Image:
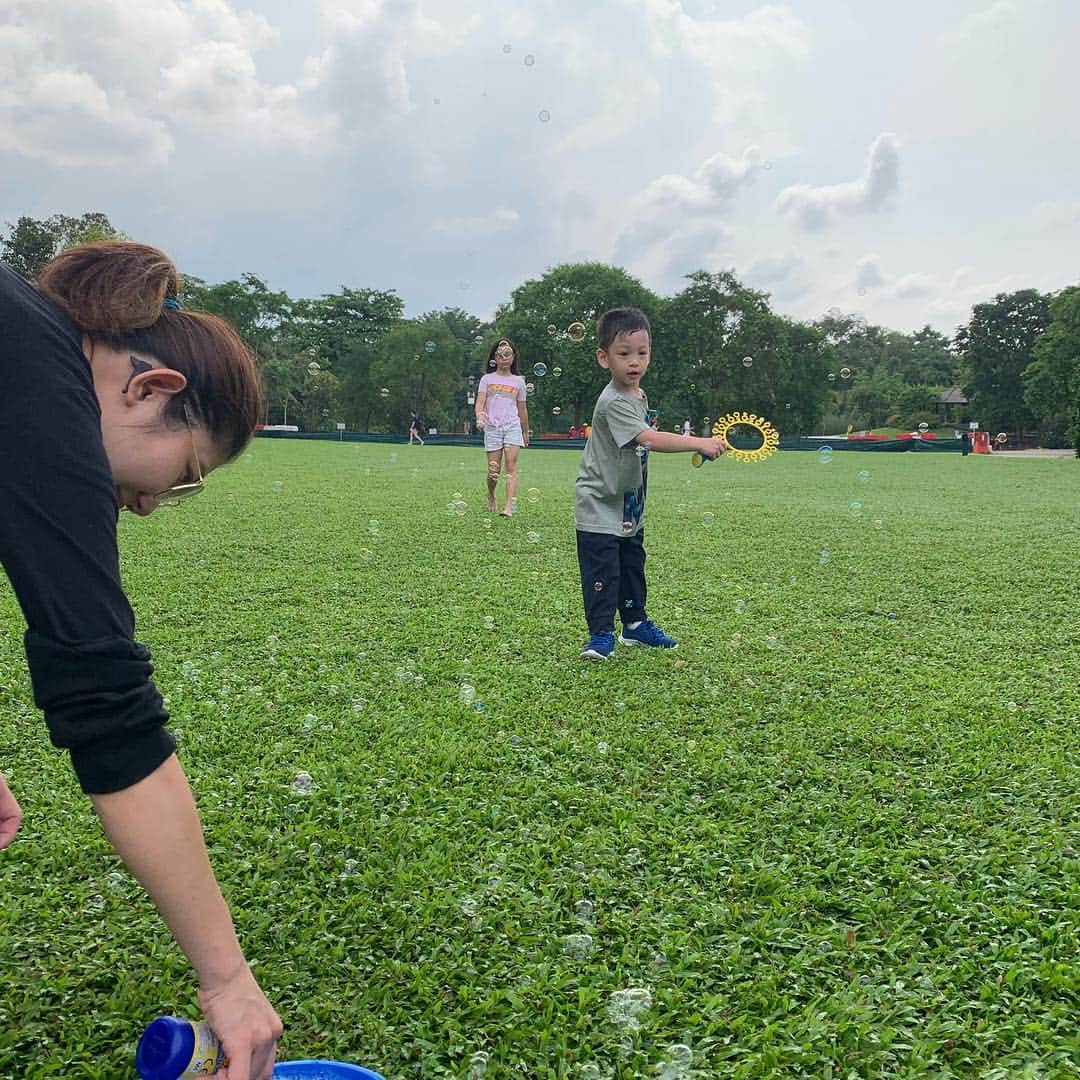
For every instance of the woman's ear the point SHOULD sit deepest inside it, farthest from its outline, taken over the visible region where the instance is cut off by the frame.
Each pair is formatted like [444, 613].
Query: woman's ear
[154, 380]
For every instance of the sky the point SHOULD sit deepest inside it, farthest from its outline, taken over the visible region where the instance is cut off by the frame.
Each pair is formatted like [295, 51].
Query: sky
[899, 161]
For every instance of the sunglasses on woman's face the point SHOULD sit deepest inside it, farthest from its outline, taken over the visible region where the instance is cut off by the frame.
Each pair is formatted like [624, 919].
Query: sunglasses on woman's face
[178, 492]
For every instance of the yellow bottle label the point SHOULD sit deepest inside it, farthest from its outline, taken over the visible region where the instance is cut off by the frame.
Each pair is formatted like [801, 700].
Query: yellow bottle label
[206, 1056]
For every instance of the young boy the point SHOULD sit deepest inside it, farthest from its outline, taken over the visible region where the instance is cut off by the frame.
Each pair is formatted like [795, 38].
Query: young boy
[609, 502]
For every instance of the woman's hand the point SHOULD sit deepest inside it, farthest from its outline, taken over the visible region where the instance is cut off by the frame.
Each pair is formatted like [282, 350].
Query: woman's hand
[245, 1022]
[10, 814]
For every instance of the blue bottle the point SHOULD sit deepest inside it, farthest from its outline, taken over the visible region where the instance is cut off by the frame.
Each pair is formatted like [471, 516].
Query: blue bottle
[171, 1048]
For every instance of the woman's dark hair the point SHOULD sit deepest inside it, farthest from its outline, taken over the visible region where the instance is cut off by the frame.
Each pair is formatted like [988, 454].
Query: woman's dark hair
[115, 292]
[620, 320]
[494, 349]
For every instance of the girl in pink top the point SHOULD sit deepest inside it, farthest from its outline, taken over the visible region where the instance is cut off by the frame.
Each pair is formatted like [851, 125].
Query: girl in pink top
[501, 413]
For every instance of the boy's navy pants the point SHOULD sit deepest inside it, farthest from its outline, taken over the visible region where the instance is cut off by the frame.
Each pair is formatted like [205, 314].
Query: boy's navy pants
[612, 578]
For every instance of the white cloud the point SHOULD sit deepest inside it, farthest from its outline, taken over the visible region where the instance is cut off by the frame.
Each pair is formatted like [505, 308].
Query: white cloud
[868, 273]
[685, 214]
[814, 208]
[912, 285]
[498, 220]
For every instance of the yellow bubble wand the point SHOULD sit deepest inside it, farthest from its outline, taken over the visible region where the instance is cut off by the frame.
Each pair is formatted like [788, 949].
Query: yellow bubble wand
[770, 438]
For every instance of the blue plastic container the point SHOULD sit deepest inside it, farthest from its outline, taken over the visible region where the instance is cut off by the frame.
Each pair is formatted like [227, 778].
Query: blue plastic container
[171, 1048]
[322, 1070]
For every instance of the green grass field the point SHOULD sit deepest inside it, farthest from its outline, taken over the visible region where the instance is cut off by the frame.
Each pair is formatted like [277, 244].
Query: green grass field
[835, 834]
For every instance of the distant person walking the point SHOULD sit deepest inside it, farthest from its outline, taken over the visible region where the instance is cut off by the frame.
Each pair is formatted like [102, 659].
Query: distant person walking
[686, 426]
[965, 443]
[414, 429]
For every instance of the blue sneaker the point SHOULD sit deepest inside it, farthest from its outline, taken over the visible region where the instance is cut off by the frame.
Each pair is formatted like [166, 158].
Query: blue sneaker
[599, 647]
[647, 633]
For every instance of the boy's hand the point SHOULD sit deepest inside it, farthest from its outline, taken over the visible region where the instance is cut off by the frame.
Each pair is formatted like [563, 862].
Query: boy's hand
[710, 448]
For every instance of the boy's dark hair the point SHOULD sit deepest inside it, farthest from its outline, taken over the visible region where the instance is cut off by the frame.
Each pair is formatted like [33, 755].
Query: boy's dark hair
[620, 320]
[491, 357]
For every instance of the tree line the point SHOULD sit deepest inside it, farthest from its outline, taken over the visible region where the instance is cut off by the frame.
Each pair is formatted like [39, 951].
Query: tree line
[352, 357]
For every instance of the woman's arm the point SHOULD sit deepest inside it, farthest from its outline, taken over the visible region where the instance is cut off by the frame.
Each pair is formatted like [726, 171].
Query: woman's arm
[481, 399]
[154, 827]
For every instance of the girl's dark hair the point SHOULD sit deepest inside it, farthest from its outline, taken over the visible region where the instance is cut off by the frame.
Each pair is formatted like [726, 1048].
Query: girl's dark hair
[620, 320]
[491, 357]
[115, 292]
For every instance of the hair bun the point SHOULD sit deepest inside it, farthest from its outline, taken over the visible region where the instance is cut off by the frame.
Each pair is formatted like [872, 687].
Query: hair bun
[111, 285]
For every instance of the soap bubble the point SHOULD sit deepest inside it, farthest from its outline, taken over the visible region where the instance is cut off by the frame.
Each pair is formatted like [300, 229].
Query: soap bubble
[583, 911]
[824, 557]
[845, 373]
[429, 346]
[532, 537]
[556, 411]
[314, 367]
[315, 850]
[855, 509]
[556, 372]
[577, 945]
[507, 48]
[824, 454]
[384, 392]
[740, 606]
[489, 622]
[747, 361]
[530, 389]
[530, 60]
[707, 520]
[831, 376]
[626, 1007]
[468, 906]
[677, 1065]
[1001, 438]
[533, 495]
[552, 329]
[275, 487]
[924, 427]
[478, 1064]
[576, 331]
[598, 586]
[544, 116]
[303, 783]
[540, 369]
[467, 693]
[863, 476]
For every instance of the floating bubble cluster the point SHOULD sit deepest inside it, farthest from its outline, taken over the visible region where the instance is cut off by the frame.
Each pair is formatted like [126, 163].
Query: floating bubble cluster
[577, 946]
[626, 1007]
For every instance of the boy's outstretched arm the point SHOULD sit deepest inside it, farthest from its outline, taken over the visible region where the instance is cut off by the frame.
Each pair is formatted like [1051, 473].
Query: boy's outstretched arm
[667, 442]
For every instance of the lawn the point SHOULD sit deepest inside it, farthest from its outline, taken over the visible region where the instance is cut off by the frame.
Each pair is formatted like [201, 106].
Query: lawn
[835, 834]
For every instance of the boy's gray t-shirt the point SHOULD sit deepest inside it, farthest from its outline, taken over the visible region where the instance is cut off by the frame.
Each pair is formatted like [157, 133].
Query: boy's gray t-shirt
[611, 482]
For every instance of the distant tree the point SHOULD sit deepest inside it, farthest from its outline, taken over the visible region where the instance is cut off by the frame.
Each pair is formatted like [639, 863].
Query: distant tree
[995, 347]
[1052, 379]
[538, 319]
[31, 242]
